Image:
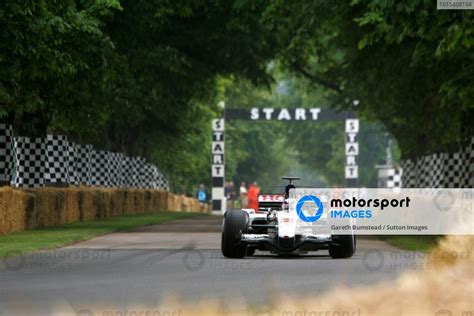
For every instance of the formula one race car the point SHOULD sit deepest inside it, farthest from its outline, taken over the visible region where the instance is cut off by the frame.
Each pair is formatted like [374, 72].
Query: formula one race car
[273, 228]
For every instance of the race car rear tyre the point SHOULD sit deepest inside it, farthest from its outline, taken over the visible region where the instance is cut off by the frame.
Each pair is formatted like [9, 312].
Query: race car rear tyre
[343, 246]
[250, 251]
[235, 223]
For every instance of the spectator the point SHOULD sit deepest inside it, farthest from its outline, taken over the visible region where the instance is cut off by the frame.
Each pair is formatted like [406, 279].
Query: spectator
[244, 199]
[229, 194]
[202, 196]
[254, 191]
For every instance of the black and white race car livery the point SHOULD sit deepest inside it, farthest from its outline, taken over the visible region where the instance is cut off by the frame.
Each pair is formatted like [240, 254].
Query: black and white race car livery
[273, 228]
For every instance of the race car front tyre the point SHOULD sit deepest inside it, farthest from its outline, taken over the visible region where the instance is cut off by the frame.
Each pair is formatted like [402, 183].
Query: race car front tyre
[235, 223]
[343, 246]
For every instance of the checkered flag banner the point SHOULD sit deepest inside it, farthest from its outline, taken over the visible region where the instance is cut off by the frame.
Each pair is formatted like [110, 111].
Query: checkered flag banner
[163, 182]
[394, 178]
[82, 164]
[133, 172]
[390, 178]
[6, 153]
[150, 176]
[72, 167]
[153, 179]
[115, 166]
[35, 162]
[100, 169]
[29, 157]
[441, 170]
[57, 160]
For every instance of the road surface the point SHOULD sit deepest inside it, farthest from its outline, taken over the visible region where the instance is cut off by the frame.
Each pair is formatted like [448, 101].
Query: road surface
[180, 259]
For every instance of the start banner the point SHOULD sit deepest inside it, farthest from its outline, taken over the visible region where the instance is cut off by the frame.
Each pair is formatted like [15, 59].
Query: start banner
[362, 211]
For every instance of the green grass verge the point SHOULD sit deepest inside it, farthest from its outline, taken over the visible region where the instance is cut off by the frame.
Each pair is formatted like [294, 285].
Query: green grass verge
[418, 243]
[53, 237]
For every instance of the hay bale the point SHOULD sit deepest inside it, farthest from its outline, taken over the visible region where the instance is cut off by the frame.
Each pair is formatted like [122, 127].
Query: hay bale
[148, 201]
[197, 206]
[48, 206]
[154, 201]
[71, 212]
[87, 206]
[44, 207]
[178, 203]
[5, 210]
[108, 197]
[162, 200]
[188, 204]
[173, 203]
[117, 202]
[182, 203]
[128, 203]
[13, 206]
[169, 203]
[103, 203]
[139, 205]
[23, 204]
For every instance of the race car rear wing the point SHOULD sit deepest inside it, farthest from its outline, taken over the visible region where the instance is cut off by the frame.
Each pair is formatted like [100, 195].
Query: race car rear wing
[268, 202]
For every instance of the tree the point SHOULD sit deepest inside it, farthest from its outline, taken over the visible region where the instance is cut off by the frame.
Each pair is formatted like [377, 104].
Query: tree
[408, 65]
[44, 47]
[136, 76]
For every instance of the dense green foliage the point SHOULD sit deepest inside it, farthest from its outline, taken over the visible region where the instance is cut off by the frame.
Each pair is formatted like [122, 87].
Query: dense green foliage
[409, 65]
[134, 76]
[145, 76]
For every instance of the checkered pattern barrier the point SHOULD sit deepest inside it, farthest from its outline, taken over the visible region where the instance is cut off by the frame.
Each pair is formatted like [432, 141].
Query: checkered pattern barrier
[390, 178]
[82, 164]
[153, 179]
[57, 160]
[30, 160]
[115, 168]
[6, 153]
[394, 179]
[163, 182]
[133, 168]
[35, 162]
[441, 170]
[71, 163]
[100, 173]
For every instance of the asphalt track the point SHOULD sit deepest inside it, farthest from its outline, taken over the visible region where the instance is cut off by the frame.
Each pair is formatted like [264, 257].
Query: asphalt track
[180, 259]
